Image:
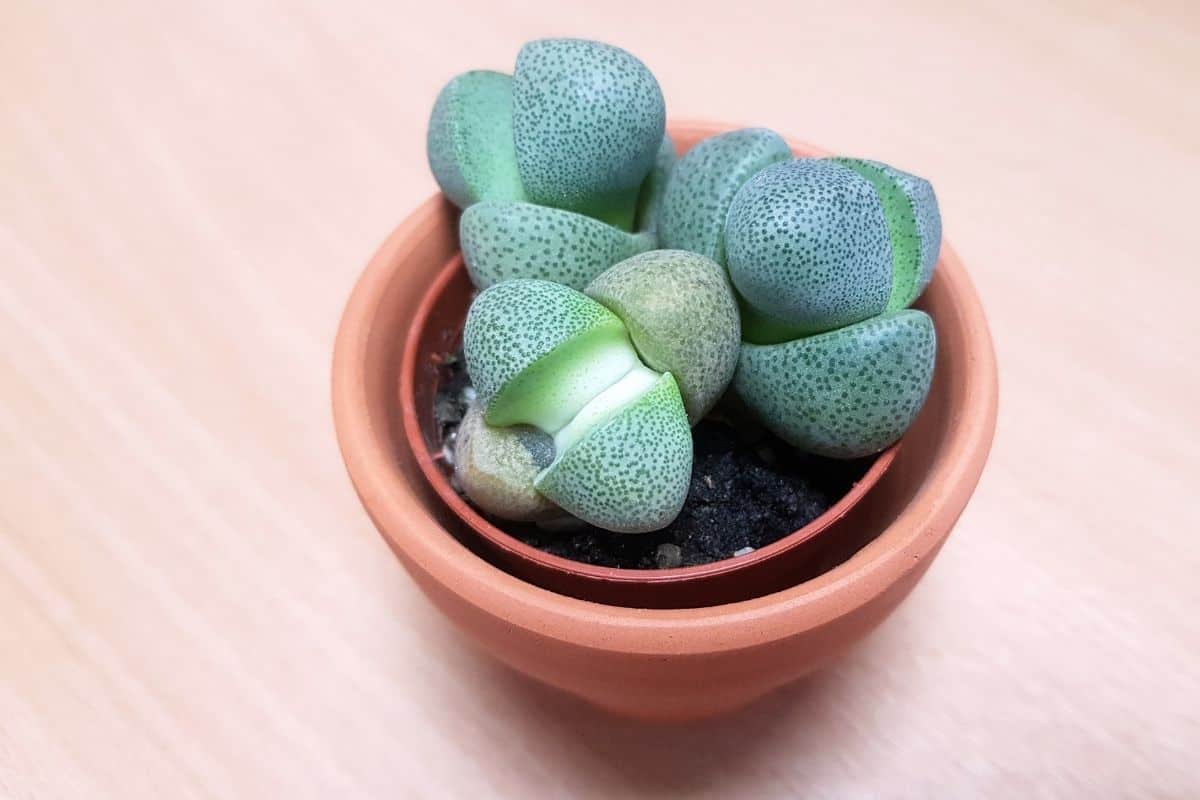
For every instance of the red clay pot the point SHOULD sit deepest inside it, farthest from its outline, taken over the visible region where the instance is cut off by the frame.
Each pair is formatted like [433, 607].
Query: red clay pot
[437, 329]
[658, 663]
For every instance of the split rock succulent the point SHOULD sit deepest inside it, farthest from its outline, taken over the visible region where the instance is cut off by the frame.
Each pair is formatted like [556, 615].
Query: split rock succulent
[585, 398]
[542, 354]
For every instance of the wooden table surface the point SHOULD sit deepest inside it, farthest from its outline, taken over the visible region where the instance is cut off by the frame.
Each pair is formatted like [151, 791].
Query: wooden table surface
[192, 603]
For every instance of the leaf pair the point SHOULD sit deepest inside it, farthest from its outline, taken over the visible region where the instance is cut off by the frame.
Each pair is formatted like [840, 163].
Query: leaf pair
[614, 376]
[555, 165]
[824, 254]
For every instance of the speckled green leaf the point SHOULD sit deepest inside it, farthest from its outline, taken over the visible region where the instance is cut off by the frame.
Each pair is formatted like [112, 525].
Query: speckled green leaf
[629, 474]
[654, 186]
[588, 119]
[682, 317]
[914, 225]
[497, 466]
[846, 393]
[704, 183]
[928, 218]
[502, 241]
[808, 249]
[537, 351]
[470, 139]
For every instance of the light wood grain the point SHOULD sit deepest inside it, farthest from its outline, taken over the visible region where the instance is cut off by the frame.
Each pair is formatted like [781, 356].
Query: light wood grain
[193, 603]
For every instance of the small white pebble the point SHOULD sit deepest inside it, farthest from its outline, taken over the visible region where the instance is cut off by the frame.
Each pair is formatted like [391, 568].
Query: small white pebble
[668, 556]
[468, 394]
[448, 454]
[745, 551]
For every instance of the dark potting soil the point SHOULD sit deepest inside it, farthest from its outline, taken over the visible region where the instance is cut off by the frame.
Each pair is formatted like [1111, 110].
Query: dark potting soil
[748, 489]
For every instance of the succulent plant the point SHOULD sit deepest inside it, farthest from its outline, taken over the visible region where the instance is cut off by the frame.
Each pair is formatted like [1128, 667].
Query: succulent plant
[704, 182]
[470, 139]
[682, 317]
[588, 121]
[654, 186]
[825, 254]
[846, 393]
[497, 466]
[542, 354]
[591, 352]
[505, 240]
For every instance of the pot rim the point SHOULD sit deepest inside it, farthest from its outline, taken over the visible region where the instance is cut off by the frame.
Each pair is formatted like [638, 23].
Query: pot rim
[402, 518]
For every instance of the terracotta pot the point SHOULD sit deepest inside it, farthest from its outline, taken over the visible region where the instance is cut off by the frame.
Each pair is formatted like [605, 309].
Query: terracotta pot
[437, 329]
[658, 663]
